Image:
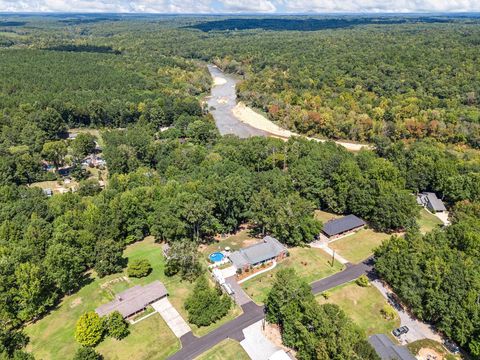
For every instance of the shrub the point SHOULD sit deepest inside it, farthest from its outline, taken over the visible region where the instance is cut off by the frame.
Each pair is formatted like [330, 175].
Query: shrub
[87, 353]
[139, 268]
[388, 312]
[362, 281]
[116, 326]
[89, 329]
[205, 305]
[326, 294]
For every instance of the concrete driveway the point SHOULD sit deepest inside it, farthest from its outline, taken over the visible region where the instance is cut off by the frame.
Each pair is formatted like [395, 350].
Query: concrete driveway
[257, 346]
[240, 296]
[171, 316]
[418, 330]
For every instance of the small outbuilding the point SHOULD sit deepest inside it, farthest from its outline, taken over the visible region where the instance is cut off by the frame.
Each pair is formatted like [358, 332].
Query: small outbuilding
[134, 300]
[430, 201]
[339, 227]
[387, 350]
[268, 249]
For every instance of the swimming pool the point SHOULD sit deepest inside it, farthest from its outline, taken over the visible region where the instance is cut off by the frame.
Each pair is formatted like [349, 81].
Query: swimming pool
[216, 257]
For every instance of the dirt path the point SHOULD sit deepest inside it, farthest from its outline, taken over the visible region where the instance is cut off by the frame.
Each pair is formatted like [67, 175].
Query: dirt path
[248, 116]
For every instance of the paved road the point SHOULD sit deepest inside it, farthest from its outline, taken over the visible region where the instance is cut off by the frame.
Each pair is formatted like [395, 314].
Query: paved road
[349, 274]
[193, 346]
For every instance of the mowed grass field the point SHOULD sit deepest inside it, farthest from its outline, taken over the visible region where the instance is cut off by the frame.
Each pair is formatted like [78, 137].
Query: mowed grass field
[53, 336]
[363, 305]
[427, 221]
[226, 350]
[310, 263]
[358, 246]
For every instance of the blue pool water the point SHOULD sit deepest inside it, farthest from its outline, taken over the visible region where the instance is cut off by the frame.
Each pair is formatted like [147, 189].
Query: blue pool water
[216, 257]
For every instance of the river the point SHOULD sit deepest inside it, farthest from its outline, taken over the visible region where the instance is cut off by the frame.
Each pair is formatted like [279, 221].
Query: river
[235, 118]
[221, 103]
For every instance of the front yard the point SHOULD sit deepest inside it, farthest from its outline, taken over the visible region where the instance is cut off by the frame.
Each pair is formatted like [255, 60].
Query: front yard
[358, 246]
[427, 221]
[363, 305]
[310, 263]
[53, 336]
[226, 350]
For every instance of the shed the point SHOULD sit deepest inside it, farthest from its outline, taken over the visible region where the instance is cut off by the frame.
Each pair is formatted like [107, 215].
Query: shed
[343, 225]
[387, 350]
[134, 300]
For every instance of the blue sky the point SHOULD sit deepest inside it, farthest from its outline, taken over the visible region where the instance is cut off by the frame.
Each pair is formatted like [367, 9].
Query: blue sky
[240, 6]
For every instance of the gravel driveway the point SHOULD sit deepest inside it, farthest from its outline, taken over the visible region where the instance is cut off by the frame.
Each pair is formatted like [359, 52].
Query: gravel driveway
[418, 330]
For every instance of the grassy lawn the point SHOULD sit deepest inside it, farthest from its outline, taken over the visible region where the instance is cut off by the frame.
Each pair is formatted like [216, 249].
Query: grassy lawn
[310, 263]
[149, 339]
[428, 221]
[363, 305]
[226, 350]
[324, 216]
[53, 336]
[358, 246]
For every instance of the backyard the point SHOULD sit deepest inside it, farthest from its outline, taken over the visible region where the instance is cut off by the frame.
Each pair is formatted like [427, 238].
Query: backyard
[310, 263]
[363, 305]
[226, 350]
[53, 336]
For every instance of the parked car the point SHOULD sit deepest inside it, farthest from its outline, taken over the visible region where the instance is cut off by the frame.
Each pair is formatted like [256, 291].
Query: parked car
[451, 346]
[400, 331]
[392, 299]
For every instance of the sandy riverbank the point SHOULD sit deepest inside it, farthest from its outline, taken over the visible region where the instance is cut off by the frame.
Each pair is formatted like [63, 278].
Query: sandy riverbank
[219, 81]
[258, 121]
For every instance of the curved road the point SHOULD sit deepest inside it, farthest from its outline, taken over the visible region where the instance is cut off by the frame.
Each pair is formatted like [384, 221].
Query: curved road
[193, 346]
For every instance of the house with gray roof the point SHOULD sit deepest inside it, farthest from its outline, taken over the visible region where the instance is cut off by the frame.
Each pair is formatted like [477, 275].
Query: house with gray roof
[430, 201]
[266, 250]
[342, 226]
[134, 300]
[387, 350]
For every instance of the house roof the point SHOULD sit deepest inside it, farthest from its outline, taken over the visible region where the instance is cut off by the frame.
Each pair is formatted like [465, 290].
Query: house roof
[387, 350]
[435, 202]
[346, 223]
[264, 250]
[134, 299]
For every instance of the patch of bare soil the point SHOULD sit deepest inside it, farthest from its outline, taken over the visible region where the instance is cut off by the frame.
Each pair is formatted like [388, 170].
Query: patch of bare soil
[272, 333]
[76, 302]
[429, 354]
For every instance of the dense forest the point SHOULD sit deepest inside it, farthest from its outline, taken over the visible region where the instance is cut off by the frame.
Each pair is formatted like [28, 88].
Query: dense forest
[411, 89]
[438, 274]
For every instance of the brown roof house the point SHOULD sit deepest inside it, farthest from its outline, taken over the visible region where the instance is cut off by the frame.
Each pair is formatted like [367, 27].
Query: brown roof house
[266, 250]
[134, 300]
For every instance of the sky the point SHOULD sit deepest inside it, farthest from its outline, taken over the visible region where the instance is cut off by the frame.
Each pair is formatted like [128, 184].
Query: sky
[240, 6]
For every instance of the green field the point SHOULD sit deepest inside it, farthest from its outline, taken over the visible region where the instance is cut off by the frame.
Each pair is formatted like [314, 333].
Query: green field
[363, 305]
[53, 336]
[428, 221]
[360, 245]
[226, 350]
[310, 263]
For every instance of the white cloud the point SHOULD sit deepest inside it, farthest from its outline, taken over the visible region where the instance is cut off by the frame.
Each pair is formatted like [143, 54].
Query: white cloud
[121, 6]
[263, 6]
[375, 6]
